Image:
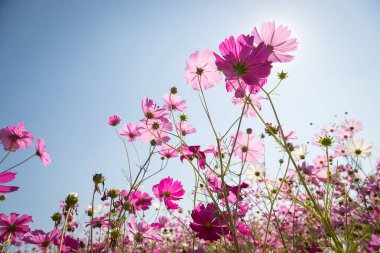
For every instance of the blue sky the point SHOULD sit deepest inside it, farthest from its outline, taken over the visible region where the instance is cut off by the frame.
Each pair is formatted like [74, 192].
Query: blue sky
[65, 66]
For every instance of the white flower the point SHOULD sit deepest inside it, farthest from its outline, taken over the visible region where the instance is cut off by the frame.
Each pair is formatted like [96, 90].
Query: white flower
[299, 153]
[359, 147]
[255, 172]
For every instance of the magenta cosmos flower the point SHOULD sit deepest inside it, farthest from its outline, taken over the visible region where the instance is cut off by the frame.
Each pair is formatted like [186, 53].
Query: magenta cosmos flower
[169, 191]
[248, 149]
[201, 71]
[114, 120]
[6, 177]
[208, 223]
[14, 226]
[191, 152]
[141, 200]
[42, 153]
[276, 40]
[241, 62]
[41, 239]
[14, 137]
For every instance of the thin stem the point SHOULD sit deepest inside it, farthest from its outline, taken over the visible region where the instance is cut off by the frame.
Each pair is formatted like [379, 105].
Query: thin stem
[27, 159]
[64, 230]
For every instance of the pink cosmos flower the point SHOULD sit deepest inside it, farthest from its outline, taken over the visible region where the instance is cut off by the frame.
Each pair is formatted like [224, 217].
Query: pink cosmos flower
[276, 40]
[14, 137]
[156, 129]
[169, 191]
[241, 60]
[41, 239]
[374, 244]
[167, 151]
[208, 223]
[114, 120]
[247, 149]
[6, 177]
[142, 230]
[201, 71]
[251, 99]
[141, 200]
[185, 128]
[352, 125]
[174, 102]
[152, 111]
[132, 131]
[162, 221]
[14, 226]
[42, 153]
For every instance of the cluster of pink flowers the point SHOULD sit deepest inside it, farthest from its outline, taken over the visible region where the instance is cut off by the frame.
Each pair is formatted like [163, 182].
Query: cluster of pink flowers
[322, 202]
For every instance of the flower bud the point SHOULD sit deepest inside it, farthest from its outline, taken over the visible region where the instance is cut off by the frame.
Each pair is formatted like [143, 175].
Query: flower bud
[282, 75]
[72, 199]
[173, 90]
[56, 217]
[98, 178]
[113, 193]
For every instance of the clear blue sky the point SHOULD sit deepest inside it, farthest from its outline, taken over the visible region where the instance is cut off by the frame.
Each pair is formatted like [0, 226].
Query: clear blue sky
[65, 66]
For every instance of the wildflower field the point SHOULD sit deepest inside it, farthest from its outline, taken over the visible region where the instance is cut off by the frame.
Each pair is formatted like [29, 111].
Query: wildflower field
[255, 187]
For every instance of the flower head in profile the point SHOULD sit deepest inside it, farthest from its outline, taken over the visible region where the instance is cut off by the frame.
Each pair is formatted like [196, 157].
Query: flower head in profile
[168, 191]
[14, 226]
[241, 62]
[359, 147]
[248, 149]
[208, 223]
[277, 40]
[15, 137]
[42, 153]
[201, 71]
[114, 120]
[6, 177]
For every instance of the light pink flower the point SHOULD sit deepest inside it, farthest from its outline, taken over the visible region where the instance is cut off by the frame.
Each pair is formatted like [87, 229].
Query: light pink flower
[42, 153]
[142, 230]
[352, 125]
[14, 137]
[152, 111]
[174, 102]
[185, 128]
[251, 99]
[276, 40]
[201, 71]
[169, 191]
[131, 130]
[114, 120]
[248, 149]
[167, 151]
[6, 177]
